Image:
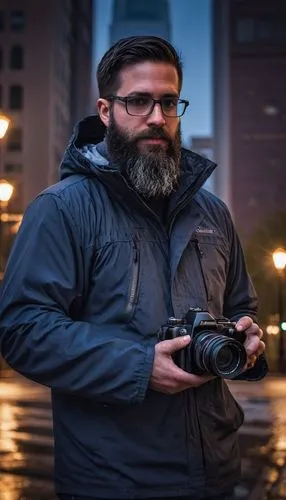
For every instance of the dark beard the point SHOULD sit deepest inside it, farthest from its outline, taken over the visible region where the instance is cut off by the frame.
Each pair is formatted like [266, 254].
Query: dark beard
[152, 174]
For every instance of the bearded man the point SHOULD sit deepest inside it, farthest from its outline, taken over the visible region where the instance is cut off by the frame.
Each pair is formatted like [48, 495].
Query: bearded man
[127, 239]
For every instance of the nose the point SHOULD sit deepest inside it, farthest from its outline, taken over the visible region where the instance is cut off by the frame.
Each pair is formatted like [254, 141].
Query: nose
[156, 117]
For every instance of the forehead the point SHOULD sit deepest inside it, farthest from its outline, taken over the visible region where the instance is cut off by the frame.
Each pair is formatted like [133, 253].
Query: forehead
[156, 78]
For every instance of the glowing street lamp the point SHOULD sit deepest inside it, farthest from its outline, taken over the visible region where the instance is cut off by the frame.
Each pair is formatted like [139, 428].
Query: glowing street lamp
[6, 191]
[4, 125]
[279, 259]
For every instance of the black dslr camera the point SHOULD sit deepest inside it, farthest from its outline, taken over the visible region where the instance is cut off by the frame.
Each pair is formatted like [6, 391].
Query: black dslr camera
[215, 348]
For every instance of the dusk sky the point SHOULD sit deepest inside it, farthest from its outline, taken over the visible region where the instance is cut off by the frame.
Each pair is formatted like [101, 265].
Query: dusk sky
[191, 35]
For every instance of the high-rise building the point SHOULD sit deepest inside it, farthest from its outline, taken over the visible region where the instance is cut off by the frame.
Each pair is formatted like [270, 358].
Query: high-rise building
[250, 108]
[45, 80]
[204, 147]
[140, 17]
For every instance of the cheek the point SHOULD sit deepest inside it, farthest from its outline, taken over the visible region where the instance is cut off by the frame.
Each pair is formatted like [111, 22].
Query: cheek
[130, 125]
[173, 129]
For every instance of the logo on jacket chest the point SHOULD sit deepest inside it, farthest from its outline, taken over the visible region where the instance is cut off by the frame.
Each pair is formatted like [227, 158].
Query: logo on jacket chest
[205, 230]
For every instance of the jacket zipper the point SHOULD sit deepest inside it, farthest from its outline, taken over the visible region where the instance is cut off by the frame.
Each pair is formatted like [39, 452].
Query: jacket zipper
[133, 291]
[200, 254]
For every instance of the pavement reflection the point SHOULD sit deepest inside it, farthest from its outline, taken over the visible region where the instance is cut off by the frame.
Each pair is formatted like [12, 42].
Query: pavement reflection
[26, 440]
[264, 456]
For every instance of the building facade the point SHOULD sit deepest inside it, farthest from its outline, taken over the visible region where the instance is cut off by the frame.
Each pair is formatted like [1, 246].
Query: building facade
[140, 17]
[203, 146]
[45, 83]
[250, 108]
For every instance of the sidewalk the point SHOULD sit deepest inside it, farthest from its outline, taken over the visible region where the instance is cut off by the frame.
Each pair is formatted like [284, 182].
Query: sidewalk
[264, 404]
[262, 438]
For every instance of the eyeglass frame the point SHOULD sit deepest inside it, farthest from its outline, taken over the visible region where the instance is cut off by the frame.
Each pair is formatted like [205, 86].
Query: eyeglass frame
[155, 101]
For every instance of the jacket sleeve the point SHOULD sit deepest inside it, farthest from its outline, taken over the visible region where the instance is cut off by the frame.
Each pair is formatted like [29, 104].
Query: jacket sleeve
[38, 337]
[240, 298]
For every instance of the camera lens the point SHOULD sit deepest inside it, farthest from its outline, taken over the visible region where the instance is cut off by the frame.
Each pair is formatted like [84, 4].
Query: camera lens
[219, 355]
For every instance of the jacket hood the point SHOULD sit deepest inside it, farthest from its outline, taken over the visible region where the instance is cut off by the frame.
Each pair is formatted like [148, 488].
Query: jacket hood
[85, 155]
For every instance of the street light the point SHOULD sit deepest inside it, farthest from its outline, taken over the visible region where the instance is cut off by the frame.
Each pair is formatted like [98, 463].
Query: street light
[4, 124]
[6, 191]
[279, 259]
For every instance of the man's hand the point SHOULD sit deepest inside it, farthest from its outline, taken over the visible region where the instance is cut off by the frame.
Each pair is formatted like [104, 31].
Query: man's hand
[167, 377]
[253, 344]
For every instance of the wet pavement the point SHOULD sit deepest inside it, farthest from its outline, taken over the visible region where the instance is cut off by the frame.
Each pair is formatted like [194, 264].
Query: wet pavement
[263, 438]
[26, 442]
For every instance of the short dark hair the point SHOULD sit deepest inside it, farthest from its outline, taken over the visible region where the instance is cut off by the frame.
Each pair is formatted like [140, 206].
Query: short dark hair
[133, 50]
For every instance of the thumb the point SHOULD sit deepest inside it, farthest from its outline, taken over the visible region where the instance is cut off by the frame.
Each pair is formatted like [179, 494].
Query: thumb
[173, 345]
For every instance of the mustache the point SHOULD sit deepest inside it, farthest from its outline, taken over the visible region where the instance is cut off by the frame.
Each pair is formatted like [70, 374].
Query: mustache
[155, 133]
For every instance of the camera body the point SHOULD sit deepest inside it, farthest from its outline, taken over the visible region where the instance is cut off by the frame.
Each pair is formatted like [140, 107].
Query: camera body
[215, 348]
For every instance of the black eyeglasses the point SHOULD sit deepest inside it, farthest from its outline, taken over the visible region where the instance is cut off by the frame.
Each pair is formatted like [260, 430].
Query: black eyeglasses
[173, 107]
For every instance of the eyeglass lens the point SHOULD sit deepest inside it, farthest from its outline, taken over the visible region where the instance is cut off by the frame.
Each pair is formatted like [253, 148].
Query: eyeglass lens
[142, 106]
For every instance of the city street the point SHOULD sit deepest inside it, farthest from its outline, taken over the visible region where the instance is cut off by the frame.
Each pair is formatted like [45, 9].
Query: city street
[26, 444]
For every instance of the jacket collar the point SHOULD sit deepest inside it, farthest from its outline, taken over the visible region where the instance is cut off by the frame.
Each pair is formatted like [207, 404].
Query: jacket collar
[195, 169]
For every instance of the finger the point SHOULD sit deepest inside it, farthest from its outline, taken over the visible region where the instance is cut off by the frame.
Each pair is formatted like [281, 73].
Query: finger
[254, 347]
[254, 330]
[244, 323]
[251, 362]
[173, 345]
[260, 333]
[260, 349]
[252, 344]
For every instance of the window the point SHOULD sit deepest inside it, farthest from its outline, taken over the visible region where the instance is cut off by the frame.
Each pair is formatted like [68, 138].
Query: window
[13, 168]
[261, 30]
[17, 20]
[16, 57]
[245, 30]
[16, 97]
[143, 11]
[2, 20]
[14, 139]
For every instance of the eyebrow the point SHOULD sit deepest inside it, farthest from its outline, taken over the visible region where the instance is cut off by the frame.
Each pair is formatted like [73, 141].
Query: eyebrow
[148, 94]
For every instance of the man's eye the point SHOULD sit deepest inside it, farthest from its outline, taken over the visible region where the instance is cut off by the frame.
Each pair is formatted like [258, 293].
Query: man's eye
[138, 101]
[170, 103]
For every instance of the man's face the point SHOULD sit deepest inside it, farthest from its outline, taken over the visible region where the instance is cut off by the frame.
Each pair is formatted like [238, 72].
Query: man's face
[146, 148]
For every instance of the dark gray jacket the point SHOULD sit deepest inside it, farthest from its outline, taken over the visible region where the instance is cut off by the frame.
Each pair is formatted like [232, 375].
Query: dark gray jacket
[91, 278]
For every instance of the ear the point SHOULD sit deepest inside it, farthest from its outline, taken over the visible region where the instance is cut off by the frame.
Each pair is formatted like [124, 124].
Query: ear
[103, 107]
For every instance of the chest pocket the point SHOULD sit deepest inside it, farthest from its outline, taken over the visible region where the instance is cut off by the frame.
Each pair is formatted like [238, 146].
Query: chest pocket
[212, 254]
[127, 283]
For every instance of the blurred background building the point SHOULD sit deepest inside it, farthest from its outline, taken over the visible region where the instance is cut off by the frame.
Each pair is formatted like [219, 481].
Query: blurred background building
[204, 147]
[45, 82]
[249, 53]
[139, 17]
[234, 60]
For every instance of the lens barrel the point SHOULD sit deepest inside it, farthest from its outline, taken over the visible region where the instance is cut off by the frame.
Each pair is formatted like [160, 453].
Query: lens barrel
[218, 354]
